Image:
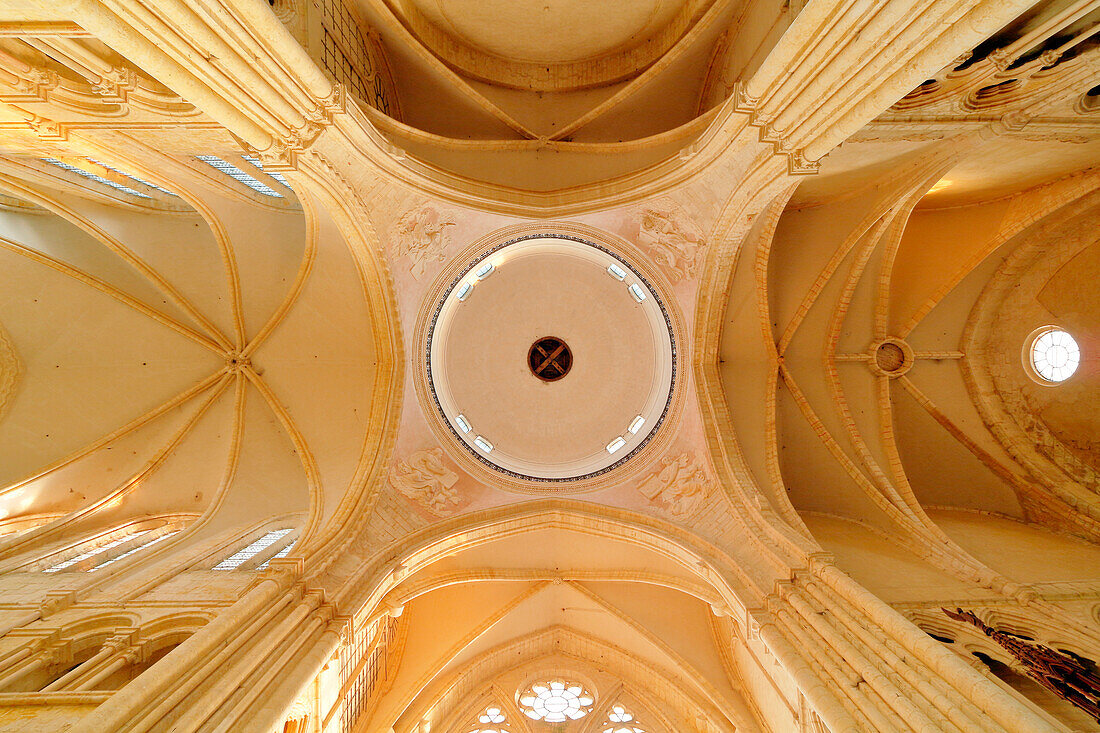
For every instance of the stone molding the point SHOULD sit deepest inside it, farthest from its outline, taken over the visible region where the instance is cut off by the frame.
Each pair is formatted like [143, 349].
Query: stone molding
[11, 369]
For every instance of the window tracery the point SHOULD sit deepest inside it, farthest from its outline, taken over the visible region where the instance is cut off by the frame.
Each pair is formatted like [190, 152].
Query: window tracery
[621, 720]
[492, 720]
[1054, 354]
[556, 701]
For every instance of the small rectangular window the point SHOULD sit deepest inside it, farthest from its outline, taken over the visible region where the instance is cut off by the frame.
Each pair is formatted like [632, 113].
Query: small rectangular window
[93, 552]
[97, 178]
[245, 554]
[132, 550]
[274, 174]
[281, 553]
[238, 175]
[131, 176]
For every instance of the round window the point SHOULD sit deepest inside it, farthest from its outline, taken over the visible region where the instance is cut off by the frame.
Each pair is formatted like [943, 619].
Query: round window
[1052, 355]
[556, 701]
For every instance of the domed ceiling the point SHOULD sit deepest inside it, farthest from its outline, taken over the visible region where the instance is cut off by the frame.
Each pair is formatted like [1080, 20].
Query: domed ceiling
[550, 358]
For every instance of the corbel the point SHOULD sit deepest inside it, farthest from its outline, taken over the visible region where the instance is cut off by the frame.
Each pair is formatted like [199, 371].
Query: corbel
[57, 651]
[743, 102]
[49, 130]
[336, 102]
[116, 84]
[1001, 58]
[279, 156]
[56, 600]
[1013, 121]
[799, 165]
[33, 85]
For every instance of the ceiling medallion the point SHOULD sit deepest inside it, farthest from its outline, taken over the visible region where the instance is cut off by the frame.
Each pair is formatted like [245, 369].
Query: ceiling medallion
[549, 358]
[891, 357]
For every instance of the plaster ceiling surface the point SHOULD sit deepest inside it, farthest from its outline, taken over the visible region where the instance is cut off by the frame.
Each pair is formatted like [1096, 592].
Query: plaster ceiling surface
[1049, 280]
[621, 358]
[996, 169]
[621, 618]
[550, 31]
[152, 345]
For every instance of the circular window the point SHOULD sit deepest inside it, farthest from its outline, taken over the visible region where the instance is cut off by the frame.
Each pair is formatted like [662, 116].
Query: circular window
[1053, 355]
[556, 701]
[550, 359]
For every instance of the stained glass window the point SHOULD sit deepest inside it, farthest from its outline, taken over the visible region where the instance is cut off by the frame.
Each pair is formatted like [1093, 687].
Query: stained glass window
[556, 701]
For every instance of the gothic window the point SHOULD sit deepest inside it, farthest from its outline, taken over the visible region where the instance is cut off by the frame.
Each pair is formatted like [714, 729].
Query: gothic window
[491, 720]
[556, 701]
[250, 551]
[131, 176]
[621, 720]
[133, 550]
[281, 553]
[277, 176]
[239, 175]
[98, 178]
[94, 551]
[1054, 355]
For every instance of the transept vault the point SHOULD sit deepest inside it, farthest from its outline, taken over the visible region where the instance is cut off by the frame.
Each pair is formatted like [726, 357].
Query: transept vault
[572, 366]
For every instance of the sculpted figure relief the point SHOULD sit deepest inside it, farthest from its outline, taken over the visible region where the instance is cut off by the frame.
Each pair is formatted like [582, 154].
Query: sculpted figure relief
[424, 478]
[672, 240]
[680, 485]
[421, 235]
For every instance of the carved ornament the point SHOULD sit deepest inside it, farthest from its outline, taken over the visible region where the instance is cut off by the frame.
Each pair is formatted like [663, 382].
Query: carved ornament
[424, 478]
[681, 485]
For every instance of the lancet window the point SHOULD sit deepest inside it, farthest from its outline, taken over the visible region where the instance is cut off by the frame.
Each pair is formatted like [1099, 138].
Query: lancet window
[251, 550]
[95, 551]
[239, 175]
[98, 178]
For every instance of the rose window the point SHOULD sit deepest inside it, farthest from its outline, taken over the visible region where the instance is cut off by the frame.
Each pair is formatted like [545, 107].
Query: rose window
[1054, 355]
[556, 701]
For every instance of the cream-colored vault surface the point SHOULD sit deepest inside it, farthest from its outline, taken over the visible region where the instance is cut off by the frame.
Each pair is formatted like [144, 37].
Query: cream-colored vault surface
[262, 264]
[622, 371]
